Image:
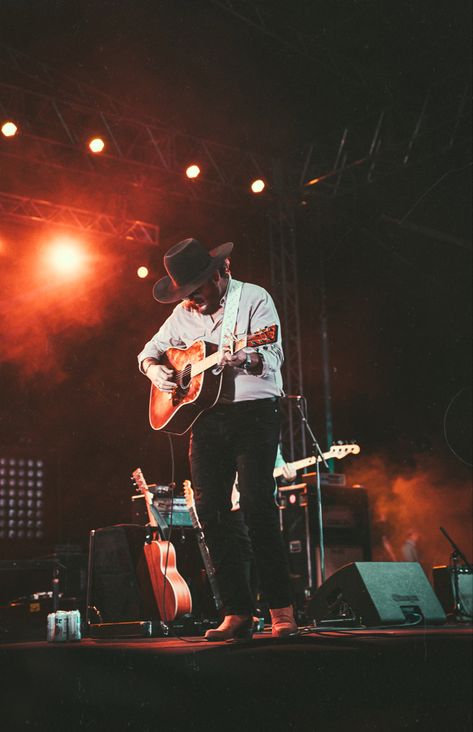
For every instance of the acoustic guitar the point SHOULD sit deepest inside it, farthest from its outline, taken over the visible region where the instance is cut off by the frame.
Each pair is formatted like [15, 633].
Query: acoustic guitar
[198, 381]
[170, 589]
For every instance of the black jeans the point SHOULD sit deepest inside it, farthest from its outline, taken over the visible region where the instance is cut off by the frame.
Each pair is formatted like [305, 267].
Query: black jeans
[241, 437]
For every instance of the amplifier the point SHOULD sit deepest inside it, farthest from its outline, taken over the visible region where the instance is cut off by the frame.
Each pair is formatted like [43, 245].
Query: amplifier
[163, 503]
[332, 479]
[345, 513]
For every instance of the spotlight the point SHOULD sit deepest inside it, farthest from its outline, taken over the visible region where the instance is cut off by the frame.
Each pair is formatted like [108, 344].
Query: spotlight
[9, 129]
[258, 186]
[96, 145]
[193, 171]
[22, 497]
[67, 257]
[142, 272]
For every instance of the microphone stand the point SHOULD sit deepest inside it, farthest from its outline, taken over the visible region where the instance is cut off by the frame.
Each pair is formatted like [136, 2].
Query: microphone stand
[316, 451]
[455, 556]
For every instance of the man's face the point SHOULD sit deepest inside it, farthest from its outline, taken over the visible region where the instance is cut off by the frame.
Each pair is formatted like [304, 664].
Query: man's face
[206, 299]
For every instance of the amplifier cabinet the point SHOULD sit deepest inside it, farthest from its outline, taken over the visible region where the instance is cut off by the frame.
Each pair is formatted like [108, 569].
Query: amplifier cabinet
[346, 525]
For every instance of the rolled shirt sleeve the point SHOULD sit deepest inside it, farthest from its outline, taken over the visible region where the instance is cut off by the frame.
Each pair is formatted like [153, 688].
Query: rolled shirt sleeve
[263, 314]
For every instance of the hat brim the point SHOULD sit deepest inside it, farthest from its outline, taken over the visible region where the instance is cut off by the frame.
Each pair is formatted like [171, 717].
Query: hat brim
[165, 291]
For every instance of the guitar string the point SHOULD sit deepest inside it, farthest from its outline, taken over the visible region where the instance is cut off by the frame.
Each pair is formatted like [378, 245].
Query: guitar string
[187, 369]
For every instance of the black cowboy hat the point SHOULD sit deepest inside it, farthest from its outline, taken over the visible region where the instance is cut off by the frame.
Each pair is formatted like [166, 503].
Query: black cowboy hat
[188, 265]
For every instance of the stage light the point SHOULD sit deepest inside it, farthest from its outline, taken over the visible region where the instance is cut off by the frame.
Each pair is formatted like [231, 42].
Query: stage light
[258, 186]
[9, 129]
[67, 257]
[142, 272]
[21, 498]
[193, 171]
[96, 145]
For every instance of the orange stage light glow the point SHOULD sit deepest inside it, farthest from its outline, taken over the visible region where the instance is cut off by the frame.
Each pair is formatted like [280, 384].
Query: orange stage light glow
[9, 129]
[66, 257]
[193, 171]
[258, 186]
[142, 272]
[96, 145]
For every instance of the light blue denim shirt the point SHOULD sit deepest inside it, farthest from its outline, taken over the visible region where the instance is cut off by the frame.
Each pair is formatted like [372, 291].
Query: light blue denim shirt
[256, 311]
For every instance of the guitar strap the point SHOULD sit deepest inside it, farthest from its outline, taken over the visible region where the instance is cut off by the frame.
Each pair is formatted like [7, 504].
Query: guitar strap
[232, 301]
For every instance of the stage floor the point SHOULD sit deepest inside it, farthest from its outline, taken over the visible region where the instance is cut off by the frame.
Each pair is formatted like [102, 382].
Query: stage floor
[398, 679]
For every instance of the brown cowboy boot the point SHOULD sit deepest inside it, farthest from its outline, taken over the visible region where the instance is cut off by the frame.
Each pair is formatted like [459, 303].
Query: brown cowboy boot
[233, 627]
[283, 622]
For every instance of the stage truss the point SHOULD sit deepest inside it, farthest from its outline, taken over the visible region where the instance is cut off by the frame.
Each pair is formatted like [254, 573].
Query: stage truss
[58, 114]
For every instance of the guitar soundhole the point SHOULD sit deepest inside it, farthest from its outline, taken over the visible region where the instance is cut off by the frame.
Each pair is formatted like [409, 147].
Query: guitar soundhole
[185, 378]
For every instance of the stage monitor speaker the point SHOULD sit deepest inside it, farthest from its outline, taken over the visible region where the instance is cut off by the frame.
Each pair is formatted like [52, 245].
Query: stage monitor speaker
[377, 593]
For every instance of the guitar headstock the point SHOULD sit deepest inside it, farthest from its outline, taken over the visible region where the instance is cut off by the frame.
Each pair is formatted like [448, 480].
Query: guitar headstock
[341, 451]
[188, 493]
[263, 337]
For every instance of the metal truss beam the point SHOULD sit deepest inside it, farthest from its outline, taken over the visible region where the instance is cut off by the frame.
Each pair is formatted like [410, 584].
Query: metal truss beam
[147, 153]
[285, 288]
[24, 69]
[21, 208]
[371, 150]
[273, 21]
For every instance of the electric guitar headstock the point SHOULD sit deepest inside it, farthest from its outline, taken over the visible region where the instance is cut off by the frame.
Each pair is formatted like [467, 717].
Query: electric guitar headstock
[340, 451]
[188, 494]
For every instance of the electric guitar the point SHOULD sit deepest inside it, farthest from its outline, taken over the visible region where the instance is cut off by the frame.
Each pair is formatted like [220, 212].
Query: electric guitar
[336, 451]
[198, 382]
[202, 544]
[171, 592]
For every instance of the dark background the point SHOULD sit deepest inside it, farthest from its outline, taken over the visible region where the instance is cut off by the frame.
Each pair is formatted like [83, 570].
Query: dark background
[398, 300]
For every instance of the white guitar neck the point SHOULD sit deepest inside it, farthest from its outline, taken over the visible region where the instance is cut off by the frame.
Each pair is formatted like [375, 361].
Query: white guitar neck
[336, 451]
[298, 465]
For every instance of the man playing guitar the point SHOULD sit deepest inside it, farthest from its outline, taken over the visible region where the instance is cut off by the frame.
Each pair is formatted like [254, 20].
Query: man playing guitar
[240, 432]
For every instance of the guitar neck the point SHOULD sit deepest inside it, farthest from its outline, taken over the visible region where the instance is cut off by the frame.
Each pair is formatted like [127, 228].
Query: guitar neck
[206, 558]
[212, 360]
[194, 518]
[336, 451]
[297, 465]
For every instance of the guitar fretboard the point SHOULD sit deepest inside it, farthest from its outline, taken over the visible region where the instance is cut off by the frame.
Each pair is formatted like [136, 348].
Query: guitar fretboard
[209, 361]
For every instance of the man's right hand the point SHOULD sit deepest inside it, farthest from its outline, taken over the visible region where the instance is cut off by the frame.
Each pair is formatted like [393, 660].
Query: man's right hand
[161, 377]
